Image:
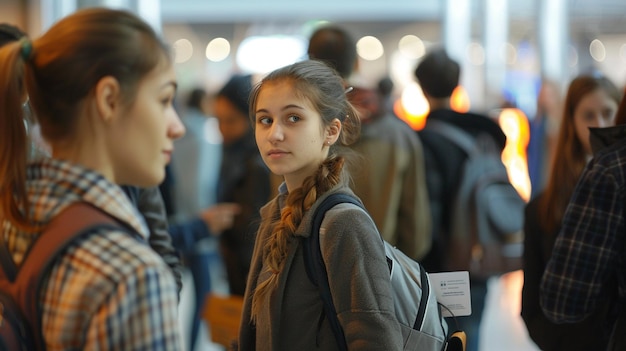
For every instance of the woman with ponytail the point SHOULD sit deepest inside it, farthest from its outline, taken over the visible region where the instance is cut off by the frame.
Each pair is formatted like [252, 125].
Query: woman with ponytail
[302, 120]
[101, 85]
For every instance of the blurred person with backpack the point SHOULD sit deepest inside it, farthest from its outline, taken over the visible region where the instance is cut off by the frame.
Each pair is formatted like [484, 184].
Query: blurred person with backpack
[95, 90]
[391, 181]
[590, 102]
[438, 75]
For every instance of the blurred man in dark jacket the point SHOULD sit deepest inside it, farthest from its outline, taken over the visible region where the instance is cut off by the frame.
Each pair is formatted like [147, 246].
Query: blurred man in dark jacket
[438, 76]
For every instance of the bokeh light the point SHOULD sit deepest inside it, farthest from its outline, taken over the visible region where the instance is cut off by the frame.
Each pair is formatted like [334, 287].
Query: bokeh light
[218, 49]
[459, 101]
[370, 48]
[411, 46]
[262, 54]
[597, 50]
[514, 124]
[476, 54]
[183, 50]
[412, 107]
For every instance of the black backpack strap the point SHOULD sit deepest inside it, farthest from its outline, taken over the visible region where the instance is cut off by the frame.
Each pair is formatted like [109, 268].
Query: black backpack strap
[421, 310]
[74, 222]
[8, 269]
[455, 135]
[314, 263]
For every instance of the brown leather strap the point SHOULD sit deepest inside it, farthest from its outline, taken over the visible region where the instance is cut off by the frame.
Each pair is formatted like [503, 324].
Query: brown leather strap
[77, 220]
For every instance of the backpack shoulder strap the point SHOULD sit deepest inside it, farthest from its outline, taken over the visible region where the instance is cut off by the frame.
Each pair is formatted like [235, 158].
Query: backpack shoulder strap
[7, 266]
[454, 134]
[74, 222]
[314, 263]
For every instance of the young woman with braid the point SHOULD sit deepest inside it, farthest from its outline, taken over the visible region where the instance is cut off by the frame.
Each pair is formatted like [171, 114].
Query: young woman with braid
[302, 118]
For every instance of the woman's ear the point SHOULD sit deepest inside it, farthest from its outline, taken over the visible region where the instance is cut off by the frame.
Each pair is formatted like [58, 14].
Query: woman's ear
[107, 98]
[332, 131]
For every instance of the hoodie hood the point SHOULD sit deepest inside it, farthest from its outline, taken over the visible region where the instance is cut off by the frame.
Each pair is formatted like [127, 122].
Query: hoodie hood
[601, 138]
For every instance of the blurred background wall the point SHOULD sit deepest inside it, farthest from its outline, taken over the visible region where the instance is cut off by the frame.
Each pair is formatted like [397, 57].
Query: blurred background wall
[506, 48]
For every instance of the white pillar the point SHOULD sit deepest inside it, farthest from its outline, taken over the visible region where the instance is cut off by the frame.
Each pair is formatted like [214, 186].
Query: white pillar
[495, 36]
[54, 10]
[553, 40]
[457, 31]
[457, 16]
[149, 10]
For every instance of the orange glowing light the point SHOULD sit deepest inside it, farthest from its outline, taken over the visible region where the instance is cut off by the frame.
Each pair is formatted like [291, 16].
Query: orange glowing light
[514, 124]
[415, 121]
[459, 101]
[413, 108]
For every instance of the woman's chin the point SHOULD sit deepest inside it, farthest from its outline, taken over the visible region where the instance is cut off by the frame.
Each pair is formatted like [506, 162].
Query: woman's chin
[147, 180]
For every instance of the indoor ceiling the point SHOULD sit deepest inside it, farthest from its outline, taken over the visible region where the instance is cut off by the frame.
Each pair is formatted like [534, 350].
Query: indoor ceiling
[594, 15]
[587, 18]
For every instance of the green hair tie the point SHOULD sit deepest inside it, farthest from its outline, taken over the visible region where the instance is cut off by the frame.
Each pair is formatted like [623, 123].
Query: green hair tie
[27, 48]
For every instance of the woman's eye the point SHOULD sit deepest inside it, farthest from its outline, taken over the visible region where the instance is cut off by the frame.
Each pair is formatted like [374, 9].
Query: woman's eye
[293, 118]
[166, 101]
[264, 120]
[590, 117]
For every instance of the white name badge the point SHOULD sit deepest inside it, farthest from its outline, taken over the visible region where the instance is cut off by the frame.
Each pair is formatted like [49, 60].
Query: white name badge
[453, 291]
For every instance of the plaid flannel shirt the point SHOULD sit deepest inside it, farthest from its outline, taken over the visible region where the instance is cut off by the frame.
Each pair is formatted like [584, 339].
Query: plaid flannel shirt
[589, 253]
[108, 291]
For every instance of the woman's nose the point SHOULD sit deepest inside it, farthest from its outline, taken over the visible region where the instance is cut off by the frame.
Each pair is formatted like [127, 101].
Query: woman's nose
[176, 128]
[276, 132]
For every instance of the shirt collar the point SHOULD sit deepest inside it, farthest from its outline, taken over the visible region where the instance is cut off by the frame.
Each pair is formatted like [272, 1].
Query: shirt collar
[54, 184]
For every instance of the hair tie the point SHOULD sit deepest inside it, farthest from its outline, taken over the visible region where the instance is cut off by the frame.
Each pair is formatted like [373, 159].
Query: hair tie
[27, 48]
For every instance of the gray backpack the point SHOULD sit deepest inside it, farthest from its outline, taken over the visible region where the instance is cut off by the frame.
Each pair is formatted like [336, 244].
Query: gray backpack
[487, 213]
[416, 307]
